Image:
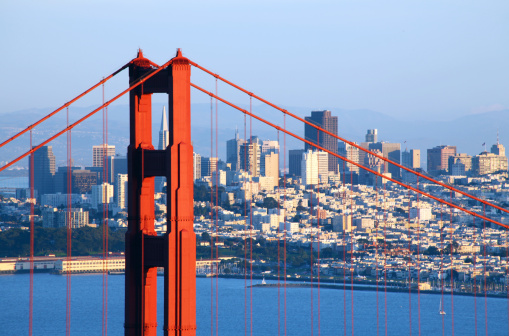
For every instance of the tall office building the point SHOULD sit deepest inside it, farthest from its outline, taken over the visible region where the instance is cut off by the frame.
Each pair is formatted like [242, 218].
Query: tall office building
[121, 191]
[372, 135]
[459, 164]
[309, 168]
[44, 171]
[208, 165]
[391, 151]
[323, 166]
[100, 152]
[294, 161]
[250, 156]
[116, 165]
[270, 146]
[101, 194]
[196, 166]
[438, 159]
[233, 151]
[351, 153]
[164, 134]
[498, 149]
[164, 141]
[411, 158]
[270, 167]
[489, 163]
[325, 120]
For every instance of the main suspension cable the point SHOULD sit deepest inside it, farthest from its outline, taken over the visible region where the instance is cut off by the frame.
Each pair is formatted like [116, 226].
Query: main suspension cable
[134, 85]
[84, 93]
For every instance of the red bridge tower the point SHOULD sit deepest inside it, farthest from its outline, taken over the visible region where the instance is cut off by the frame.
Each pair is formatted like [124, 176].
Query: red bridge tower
[176, 250]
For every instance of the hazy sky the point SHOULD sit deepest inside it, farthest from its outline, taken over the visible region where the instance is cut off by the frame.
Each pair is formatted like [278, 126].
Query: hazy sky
[404, 58]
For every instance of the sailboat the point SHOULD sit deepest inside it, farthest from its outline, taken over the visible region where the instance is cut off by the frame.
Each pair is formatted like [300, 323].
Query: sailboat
[263, 281]
[440, 309]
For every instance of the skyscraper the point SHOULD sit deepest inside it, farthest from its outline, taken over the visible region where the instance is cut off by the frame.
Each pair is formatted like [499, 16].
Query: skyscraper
[250, 156]
[233, 151]
[350, 152]
[164, 134]
[44, 170]
[99, 155]
[196, 166]
[208, 165]
[309, 167]
[164, 141]
[372, 135]
[438, 159]
[412, 158]
[294, 164]
[325, 120]
[391, 151]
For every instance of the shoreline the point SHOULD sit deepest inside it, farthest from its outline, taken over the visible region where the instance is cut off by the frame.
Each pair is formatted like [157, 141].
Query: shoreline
[304, 282]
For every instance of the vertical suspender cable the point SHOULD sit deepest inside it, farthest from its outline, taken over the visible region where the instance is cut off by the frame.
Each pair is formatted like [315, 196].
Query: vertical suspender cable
[278, 243]
[375, 243]
[311, 254]
[69, 230]
[345, 219]
[409, 261]
[442, 273]
[284, 229]
[245, 145]
[385, 251]
[252, 163]
[32, 201]
[475, 276]
[318, 214]
[484, 271]
[217, 226]
[106, 198]
[351, 251]
[418, 260]
[452, 269]
[212, 260]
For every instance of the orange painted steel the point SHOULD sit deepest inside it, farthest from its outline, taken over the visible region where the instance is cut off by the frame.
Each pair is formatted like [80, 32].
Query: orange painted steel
[84, 93]
[76, 123]
[349, 142]
[352, 162]
[176, 250]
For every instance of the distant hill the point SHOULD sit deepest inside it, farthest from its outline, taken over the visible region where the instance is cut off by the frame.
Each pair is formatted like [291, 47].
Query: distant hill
[468, 133]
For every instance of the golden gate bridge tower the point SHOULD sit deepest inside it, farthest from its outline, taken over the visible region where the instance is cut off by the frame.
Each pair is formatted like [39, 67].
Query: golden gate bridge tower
[176, 250]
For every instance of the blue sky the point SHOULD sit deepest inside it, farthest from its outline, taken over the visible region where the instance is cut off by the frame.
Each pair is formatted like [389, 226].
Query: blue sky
[408, 59]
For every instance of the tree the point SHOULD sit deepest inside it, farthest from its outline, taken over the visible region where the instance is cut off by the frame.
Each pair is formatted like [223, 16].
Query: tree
[205, 236]
[269, 203]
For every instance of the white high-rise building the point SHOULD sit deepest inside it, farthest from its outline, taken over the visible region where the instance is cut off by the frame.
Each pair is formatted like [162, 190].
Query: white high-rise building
[323, 166]
[309, 167]
[164, 134]
[102, 194]
[196, 166]
[121, 191]
[270, 146]
[164, 141]
[99, 155]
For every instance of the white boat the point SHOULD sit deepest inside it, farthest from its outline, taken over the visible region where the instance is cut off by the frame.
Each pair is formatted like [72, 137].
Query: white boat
[440, 309]
[263, 281]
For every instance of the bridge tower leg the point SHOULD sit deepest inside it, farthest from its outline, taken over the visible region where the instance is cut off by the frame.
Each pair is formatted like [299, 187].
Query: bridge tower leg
[176, 250]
